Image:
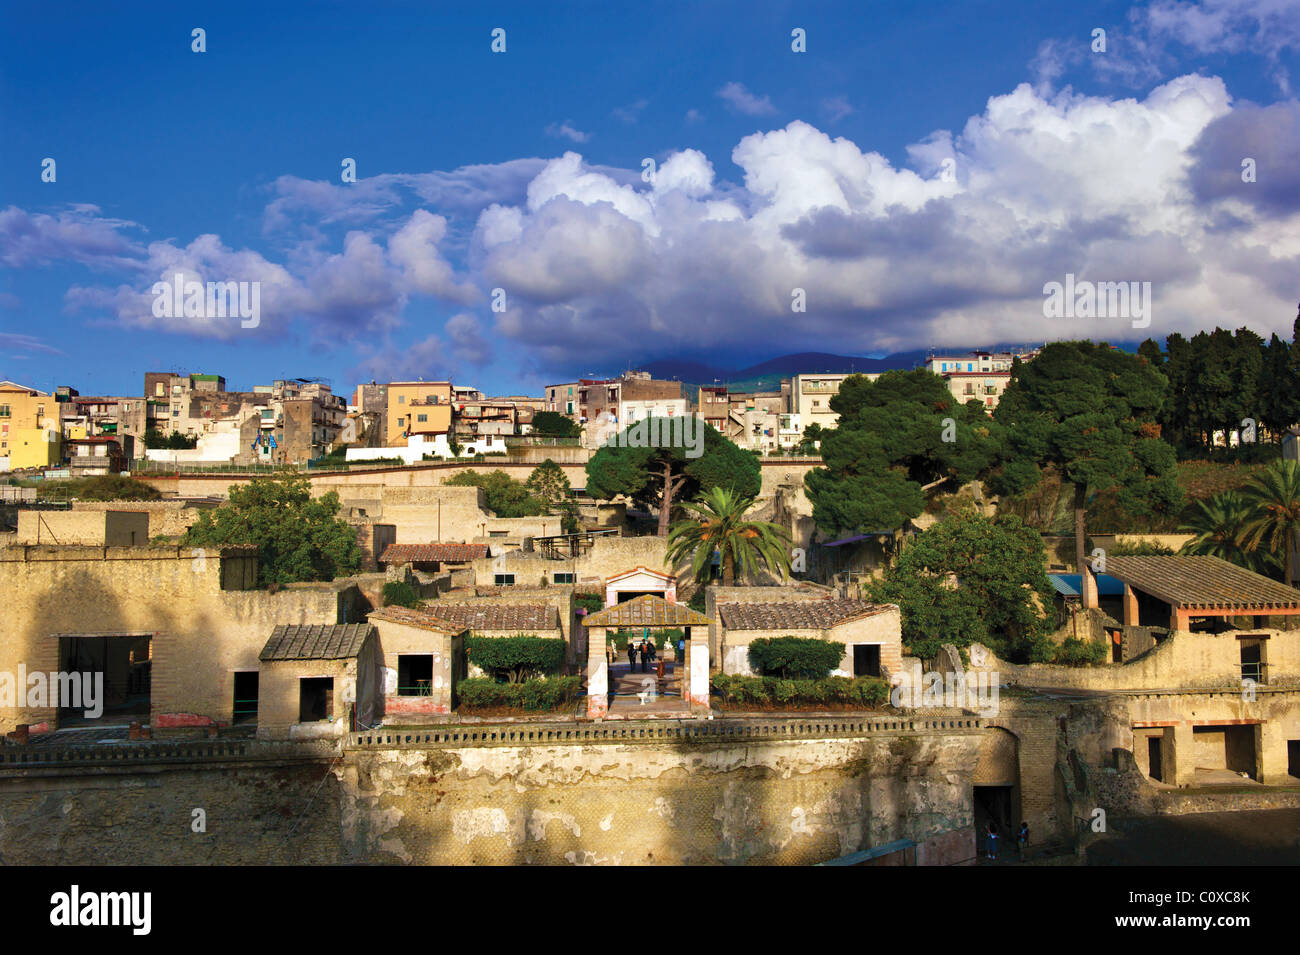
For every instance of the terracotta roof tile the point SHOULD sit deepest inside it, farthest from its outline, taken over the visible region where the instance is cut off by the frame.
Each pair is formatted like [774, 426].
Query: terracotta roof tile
[409, 553]
[795, 614]
[646, 611]
[318, 642]
[1198, 582]
[454, 618]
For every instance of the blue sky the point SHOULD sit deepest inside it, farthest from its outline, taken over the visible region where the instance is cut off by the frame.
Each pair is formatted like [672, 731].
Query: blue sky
[522, 171]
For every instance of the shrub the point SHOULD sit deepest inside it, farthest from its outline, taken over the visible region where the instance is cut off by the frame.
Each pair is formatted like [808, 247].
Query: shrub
[1075, 652]
[547, 694]
[398, 593]
[862, 691]
[515, 659]
[872, 691]
[590, 602]
[807, 657]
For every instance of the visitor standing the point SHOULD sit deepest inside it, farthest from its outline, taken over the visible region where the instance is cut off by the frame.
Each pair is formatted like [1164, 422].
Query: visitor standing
[1022, 840]
[991, 840]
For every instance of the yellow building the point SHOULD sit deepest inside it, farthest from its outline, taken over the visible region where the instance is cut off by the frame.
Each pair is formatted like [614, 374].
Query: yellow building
[29, 427]
[422, 407]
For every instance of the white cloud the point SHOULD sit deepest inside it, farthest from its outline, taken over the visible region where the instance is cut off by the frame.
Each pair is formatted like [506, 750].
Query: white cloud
[566, 130]
[742, 100]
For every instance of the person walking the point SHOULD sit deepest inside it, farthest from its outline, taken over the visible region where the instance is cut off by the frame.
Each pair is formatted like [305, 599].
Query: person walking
[631, 656]
[650, 654]
[991, 841]
[1022, 840]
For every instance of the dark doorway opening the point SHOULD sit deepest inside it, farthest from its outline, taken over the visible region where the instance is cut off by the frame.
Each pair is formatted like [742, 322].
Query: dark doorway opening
[245, 710]
[993, 805]
[1293, 757]
[1153, 758]
[125, 665]
[866, 659]
[315, 699]
[1252, 660]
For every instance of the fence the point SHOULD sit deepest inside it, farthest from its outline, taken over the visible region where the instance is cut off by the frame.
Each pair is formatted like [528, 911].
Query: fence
[649, 731]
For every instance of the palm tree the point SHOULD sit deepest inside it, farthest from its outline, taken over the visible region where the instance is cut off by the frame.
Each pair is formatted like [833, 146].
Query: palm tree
[717, 524]
[1274, 496]
[1217, 523]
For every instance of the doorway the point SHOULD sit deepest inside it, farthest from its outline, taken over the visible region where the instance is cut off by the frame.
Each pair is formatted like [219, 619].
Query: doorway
[125, 665]
[866, 659]
[1153, 759]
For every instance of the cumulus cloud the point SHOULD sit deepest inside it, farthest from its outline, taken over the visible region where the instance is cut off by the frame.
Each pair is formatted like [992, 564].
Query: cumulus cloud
[1041, 185]
[76, 234]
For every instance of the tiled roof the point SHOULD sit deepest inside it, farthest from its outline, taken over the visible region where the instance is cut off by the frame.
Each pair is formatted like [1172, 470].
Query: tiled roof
[415, 618]
[318, 642]
[1198, 582]
[523, 617]
[646, 611]
[795, 614]
[454, 618]
[409, 553]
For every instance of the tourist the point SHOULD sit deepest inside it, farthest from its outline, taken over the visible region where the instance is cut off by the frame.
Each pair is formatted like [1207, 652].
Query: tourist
[1022, 840]
[631, 656]
[991, 840]
[650, 653]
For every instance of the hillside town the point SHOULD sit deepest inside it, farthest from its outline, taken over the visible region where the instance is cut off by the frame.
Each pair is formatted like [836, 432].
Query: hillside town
[422, 564]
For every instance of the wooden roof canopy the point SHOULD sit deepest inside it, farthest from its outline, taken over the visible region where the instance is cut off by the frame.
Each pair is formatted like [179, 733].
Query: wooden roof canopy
[647, 610]
[1203, 583]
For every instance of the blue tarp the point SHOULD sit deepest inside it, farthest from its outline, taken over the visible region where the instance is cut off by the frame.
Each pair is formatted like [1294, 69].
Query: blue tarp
[1068, 584]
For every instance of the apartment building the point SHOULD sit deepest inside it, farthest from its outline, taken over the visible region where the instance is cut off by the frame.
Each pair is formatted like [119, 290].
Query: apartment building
[417, 407]
[30, 430]
[810, 398]
[977, 376]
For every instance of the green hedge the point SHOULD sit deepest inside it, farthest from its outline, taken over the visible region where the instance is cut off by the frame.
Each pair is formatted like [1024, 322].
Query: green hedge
[862, 691]
[550, 694]
[516, 659]
[808, 658]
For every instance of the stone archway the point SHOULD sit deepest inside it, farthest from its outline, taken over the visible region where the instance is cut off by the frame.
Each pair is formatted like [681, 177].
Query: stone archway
[995, 785]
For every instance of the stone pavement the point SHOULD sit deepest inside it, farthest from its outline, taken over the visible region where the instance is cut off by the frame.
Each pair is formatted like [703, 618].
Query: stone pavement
[662, 697]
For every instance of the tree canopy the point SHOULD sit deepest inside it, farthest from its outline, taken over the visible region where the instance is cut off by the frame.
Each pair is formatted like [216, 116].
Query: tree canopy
[655, 476]
[297, 537]
[1090, 411]
[970, 579]
[505, 496]
[555, 425]
[895, 436]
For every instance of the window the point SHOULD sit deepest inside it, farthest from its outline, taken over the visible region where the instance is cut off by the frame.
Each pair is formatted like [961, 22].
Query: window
[401, 399]
[497, 533]
[563, 578]
[414, 674]
[503, 580]
[40, 411]
[315, 699]
[401, 422]
[422, 417]
[4, 411]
